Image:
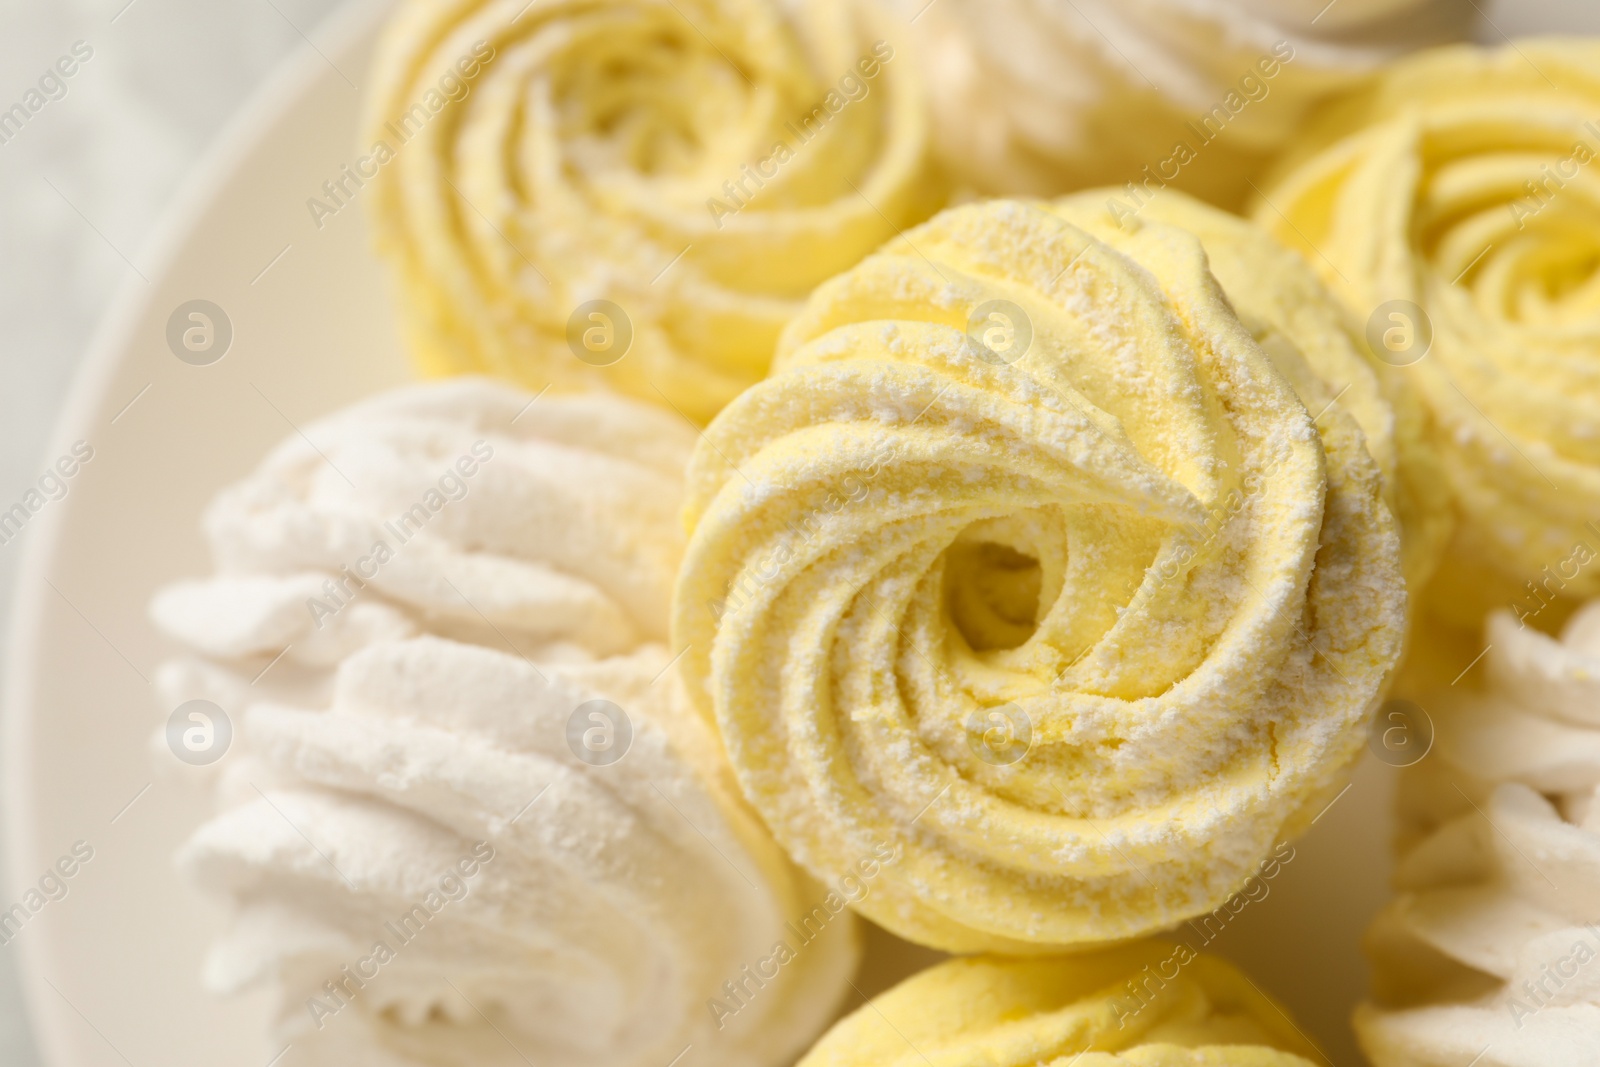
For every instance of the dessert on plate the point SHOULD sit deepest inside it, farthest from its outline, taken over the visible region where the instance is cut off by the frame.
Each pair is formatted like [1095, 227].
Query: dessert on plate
[1034, 577]
[1450, 205]
[472, 818]
[636, 195]
[1028, 561]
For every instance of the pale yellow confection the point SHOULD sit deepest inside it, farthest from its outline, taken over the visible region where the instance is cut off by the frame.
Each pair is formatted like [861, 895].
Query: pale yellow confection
[1151, 1004]
[1080, 612]
[1490, 955]
[700, 165]
[1312, 339]
[1463, 184]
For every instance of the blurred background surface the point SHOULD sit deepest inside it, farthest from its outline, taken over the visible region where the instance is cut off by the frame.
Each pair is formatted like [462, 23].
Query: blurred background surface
[86, 184]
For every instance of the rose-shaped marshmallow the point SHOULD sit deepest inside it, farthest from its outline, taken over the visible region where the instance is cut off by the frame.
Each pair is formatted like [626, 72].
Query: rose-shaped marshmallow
[635, 194]
[1029, 562]
[1453, 207]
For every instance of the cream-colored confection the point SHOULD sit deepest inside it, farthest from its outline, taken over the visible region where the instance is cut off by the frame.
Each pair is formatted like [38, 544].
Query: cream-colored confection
[437, 621]
[1453, 207]
[1028, 563]
[466, 509]
[1147, 1005]
[1491, 953]
[1048, 96]
[698, 164]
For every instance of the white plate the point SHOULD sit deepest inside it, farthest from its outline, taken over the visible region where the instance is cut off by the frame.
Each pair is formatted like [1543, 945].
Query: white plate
[111, 970]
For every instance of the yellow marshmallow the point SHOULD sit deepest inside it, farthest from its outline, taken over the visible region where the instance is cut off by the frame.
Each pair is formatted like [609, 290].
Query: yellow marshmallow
[698, 164]
[1152, 1005]
[1080, 612]
[1464, 182]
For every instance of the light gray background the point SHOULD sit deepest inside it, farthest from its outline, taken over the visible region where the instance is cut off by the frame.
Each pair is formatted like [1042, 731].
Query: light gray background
[84, 186]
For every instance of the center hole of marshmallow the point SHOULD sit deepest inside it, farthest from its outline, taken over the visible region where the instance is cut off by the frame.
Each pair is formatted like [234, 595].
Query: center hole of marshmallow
[992, 592]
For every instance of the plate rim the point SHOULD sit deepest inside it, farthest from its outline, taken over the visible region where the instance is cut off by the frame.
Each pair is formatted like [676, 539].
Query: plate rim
[88, 395]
